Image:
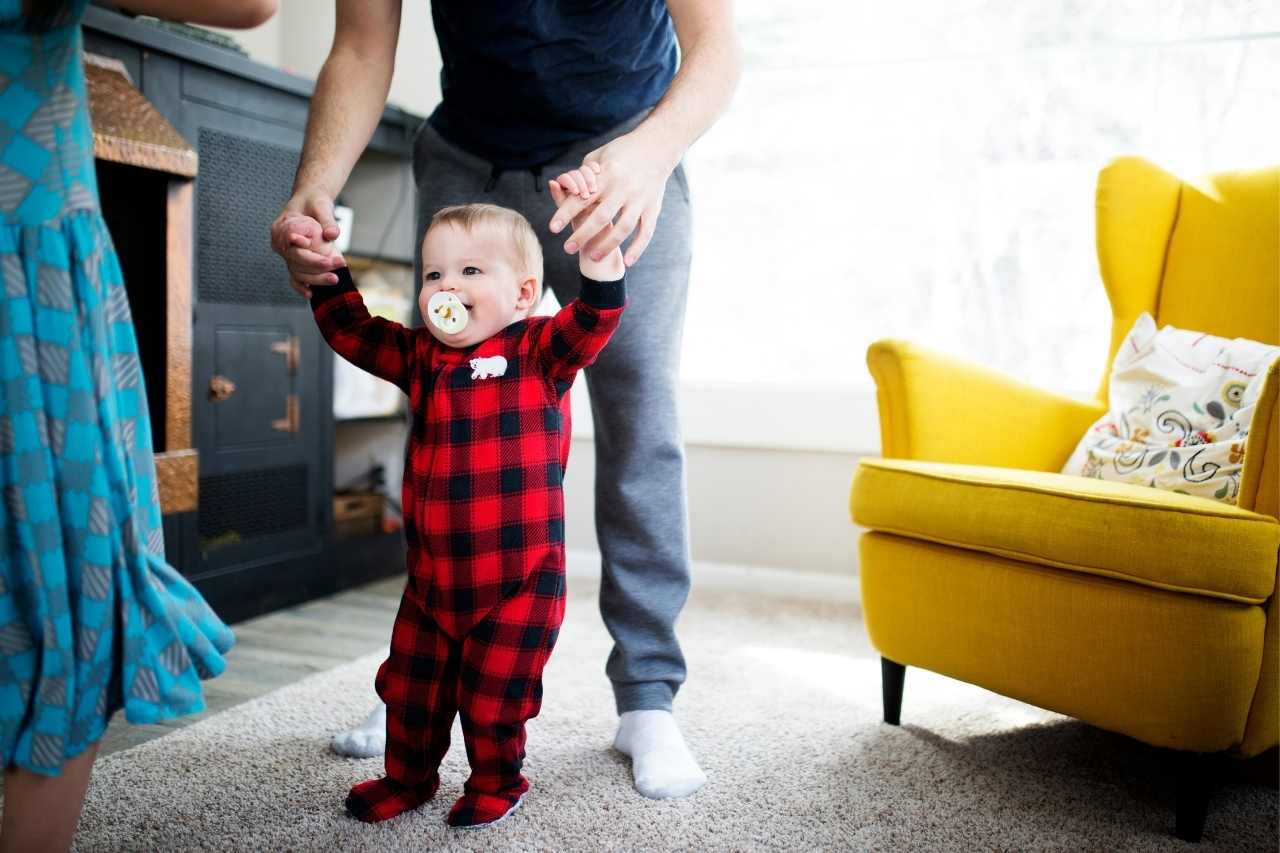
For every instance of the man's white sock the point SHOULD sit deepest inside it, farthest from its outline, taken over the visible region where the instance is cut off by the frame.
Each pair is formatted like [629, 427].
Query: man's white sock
[662, 765]
[365, 740]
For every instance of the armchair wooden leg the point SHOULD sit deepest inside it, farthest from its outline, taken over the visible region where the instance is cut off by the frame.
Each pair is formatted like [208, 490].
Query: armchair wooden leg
[891, 677]
[1193, 770]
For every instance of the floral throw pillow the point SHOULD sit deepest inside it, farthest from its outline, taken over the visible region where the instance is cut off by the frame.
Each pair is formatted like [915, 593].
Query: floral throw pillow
[1181, 403]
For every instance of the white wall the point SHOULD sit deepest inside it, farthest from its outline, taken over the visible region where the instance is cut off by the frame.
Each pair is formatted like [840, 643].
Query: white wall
[262, 43]
[297, 40]
[785, 509]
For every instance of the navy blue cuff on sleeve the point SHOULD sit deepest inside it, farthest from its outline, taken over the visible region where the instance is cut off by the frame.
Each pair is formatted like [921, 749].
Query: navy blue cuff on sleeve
[322, 293]
[603, 294]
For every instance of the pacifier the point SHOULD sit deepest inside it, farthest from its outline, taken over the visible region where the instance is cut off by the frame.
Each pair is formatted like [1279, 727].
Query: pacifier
[446, 312]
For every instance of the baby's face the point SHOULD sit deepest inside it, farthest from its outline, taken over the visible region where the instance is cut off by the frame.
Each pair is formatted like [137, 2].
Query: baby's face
[478, 268]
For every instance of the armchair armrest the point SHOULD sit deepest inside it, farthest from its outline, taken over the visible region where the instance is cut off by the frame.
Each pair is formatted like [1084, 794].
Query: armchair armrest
[1260, 492]
[937, 408]
[1260, 479]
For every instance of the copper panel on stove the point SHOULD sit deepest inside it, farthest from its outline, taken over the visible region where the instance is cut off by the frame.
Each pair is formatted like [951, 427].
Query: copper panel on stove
[177, 423]
[127, 128]
[177, 472]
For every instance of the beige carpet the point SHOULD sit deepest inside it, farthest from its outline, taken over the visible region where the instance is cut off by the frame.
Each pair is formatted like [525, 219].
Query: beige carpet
[782, 706]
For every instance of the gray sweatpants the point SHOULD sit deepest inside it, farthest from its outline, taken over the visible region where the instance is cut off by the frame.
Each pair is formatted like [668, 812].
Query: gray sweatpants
[641, 516]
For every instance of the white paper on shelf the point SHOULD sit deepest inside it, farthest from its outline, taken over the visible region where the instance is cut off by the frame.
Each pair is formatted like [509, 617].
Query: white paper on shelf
[357, 394]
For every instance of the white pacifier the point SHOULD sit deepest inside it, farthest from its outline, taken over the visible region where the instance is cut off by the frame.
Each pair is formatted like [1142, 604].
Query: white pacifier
[446, 312]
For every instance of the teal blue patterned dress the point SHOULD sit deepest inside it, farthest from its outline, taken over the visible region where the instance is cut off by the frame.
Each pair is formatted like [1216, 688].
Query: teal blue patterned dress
[92, 618]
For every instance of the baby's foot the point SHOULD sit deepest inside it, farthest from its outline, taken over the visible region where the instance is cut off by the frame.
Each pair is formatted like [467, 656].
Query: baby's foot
[661, 764]
[473, 811]
[383, 799]
[365, 740]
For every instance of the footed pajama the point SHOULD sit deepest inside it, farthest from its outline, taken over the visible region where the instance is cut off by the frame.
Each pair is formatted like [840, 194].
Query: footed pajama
[492, 677]
[484, 520]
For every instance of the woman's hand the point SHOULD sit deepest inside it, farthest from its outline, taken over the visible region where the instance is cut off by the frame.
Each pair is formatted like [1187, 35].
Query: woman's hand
[303, 234]
[631, 175]
[236, 14]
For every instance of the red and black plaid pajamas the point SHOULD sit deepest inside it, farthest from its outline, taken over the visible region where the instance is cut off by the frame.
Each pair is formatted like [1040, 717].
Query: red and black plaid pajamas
[484, 520]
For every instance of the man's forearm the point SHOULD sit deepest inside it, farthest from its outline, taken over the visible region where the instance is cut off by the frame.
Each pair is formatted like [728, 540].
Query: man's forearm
[710, 66]
[349, 98]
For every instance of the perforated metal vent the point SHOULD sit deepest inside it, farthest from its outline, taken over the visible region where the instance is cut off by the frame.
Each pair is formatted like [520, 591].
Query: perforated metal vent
[242, 185]
[253, 503]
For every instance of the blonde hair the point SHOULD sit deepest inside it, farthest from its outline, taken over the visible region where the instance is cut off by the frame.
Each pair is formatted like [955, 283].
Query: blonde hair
[524, 242]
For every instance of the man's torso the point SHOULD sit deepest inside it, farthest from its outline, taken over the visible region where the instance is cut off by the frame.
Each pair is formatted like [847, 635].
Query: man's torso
[522, 81]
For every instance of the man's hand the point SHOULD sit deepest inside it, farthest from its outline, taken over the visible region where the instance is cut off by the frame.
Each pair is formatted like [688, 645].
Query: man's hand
[631, 174]
[305, 232]
[635, 167]
[581, 183]
[303, 235]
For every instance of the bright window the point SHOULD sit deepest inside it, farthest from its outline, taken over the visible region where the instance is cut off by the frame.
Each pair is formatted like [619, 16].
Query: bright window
[926, 170]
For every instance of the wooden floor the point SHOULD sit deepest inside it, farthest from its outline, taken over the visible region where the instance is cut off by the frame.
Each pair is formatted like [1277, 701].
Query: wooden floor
[283, 647]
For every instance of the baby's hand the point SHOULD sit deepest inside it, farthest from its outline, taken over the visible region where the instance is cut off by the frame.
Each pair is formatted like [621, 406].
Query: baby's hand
[306, 233]
[582, 182]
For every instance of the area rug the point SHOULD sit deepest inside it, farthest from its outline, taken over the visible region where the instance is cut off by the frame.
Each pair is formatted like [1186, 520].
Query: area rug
[782, 706]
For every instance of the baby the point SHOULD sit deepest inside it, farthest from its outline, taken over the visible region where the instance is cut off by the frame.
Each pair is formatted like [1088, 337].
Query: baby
[488, 387]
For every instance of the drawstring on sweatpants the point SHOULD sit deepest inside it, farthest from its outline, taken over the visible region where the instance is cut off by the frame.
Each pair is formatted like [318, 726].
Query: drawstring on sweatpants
[495, 172]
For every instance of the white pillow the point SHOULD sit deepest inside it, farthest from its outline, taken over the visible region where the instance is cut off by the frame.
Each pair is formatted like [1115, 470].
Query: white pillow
[1181, 403]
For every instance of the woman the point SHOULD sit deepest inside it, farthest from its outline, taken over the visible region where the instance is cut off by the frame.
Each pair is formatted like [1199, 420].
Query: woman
[92, 618]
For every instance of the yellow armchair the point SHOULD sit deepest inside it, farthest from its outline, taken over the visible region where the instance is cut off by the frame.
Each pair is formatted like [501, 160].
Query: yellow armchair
[1141, 611]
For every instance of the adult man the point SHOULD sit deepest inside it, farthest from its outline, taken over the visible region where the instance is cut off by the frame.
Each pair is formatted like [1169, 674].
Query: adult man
[532, 90]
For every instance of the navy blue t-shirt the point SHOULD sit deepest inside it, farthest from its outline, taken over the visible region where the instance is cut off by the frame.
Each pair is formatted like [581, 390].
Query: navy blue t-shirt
[523, 80]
